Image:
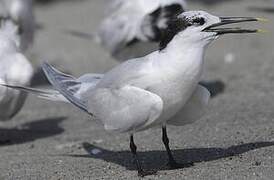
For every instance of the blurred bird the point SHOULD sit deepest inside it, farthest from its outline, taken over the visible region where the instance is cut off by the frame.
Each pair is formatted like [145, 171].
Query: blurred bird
[156, 90]
[130, 26]
[20, 12]
[14, 69]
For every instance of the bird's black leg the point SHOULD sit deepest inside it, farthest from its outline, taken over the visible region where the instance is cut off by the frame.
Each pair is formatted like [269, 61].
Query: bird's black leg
[133, 149]
[171, 161]
[165, 139]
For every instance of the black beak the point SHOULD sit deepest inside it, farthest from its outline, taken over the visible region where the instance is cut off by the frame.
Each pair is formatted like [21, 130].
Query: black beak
[232, 20]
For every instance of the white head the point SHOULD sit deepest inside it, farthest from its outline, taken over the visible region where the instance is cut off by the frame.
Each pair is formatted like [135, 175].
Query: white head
[201, 27]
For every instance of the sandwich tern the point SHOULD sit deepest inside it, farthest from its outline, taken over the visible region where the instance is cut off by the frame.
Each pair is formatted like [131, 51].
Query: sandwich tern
[14, 69]
[156, 90]
[21, 13]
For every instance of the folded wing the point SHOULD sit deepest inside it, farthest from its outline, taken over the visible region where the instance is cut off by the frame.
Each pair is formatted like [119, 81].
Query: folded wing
[127, 109]
[74, 90]
[122, 109]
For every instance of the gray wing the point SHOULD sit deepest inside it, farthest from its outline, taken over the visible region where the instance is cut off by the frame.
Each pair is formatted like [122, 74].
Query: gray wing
[193, 109]
[90, 78]
[126, 109]
[71, 88]
[128, 72]
[78, 87]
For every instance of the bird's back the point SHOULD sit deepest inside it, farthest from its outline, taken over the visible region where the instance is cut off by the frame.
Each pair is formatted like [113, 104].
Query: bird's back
[129, 72]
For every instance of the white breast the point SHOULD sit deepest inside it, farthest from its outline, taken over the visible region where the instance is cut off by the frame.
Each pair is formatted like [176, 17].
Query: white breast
[177, 79]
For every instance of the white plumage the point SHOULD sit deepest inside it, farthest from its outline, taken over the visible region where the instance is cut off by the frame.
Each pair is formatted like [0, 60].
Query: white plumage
[21, 13]
[14, 69]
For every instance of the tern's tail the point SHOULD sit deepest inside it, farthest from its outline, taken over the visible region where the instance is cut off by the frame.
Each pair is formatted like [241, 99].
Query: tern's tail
[47, 94]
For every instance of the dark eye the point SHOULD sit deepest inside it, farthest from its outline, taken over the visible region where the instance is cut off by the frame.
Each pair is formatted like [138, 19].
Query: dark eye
[200, 21]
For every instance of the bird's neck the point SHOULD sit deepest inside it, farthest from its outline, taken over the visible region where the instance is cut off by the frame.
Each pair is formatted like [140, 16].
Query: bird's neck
[184, 41]
[183, 51]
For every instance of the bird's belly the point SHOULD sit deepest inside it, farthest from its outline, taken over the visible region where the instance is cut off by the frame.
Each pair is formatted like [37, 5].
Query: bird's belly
[174, 98]
[174, 102]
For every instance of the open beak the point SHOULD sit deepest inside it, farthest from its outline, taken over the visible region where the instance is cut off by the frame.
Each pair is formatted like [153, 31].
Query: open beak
[232, 20]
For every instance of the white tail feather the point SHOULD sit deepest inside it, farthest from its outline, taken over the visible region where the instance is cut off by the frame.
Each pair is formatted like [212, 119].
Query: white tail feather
[47, 94]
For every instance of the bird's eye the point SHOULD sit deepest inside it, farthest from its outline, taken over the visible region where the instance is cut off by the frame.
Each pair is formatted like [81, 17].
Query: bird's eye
[200, 21]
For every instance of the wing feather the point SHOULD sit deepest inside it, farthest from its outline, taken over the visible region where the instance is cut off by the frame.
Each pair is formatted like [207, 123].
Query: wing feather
[67, 85]
[125, 109]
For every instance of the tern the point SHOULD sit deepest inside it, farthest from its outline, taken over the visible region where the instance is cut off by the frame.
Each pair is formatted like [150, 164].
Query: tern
[14, 69]
[136, 22]
[20, 12]
[156, 90]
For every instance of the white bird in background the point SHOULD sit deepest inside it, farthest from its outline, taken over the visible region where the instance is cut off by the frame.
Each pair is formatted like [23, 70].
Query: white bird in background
[130, 26]
[157, 90]
[14, 69]
[21, 13]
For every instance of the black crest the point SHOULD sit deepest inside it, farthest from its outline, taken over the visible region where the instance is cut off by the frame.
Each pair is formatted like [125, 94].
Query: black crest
[174, 26]
[177, 25]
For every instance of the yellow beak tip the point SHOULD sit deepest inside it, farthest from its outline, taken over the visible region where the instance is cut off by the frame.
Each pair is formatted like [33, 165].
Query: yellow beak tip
[262, 19]
[262, 31]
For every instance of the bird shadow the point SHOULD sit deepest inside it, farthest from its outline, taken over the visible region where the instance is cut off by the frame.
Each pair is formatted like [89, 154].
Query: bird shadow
[153, 160]
[215, 87]
[31, 131]
[262, 9]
